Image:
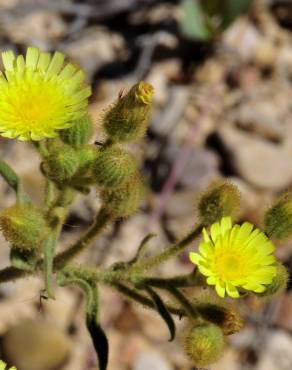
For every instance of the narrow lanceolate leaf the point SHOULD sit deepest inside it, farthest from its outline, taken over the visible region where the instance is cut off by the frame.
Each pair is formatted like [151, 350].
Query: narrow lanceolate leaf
[9, 175]
[13, 181]
[142, 247]
[194, 24]
[163, 311]
[100, 342]
[232, 10]
[96, 332]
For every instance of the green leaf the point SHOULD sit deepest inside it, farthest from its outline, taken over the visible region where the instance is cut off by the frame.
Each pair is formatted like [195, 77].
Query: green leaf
[232, 10]
[142, 247]
[163, 311]
[96, 332]
[9, 175]
[195, 24]
[212, 7]
[100, 342]
[13, 181]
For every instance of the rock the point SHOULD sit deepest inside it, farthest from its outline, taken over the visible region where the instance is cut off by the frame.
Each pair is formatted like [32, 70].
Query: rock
[283, 312]
[201, 167]
[35, 345]
[277, 352]
[147, 360]
[262, 163]
[94, 48]
[39, 28]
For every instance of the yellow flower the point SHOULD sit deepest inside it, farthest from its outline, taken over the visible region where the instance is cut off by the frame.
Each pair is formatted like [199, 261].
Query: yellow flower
[39, 96]
[3, 366]
[235, 257]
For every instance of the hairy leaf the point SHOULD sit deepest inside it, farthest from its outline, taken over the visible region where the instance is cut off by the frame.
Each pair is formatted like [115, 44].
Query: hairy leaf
[163, 311]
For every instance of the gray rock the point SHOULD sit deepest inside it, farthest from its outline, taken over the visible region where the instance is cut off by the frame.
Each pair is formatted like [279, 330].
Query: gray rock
[260, 162]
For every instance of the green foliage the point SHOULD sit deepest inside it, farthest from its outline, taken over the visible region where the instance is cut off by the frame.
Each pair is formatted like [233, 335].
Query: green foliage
[97, 334]
[163, 312]
[205, 19]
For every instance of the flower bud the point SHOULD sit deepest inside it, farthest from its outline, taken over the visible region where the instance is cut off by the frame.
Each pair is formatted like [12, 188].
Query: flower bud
[61, 164]
[78, 134]
[125, 200]
[278, 219]
[221, 199]
[87, 156]
[113, 167]
[23, 226]
[128, 118]
[219, 312]
[204, 344]
[279, 283]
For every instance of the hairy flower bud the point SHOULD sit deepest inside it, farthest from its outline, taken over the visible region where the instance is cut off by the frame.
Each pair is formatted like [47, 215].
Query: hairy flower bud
[87, 156]
[278, 219]
[128, 118]
[219, 312]
[125, 200]
[279, 283]
[221, 199]
[113, 167]
[61, 164]
[23, 226]
[204, 344]
[78, 134]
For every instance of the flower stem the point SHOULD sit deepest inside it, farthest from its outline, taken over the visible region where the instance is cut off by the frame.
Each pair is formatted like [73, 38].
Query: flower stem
[150, 262]
[102, 219]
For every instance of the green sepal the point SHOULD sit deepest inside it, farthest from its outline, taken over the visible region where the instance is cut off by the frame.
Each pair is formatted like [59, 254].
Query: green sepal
[163, 312]
[79, 133]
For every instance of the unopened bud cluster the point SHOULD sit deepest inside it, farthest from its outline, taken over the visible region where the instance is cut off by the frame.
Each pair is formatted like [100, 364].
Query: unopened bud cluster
[110, 167]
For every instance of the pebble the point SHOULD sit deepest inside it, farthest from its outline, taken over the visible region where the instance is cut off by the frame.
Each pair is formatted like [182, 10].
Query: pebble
[147, 360]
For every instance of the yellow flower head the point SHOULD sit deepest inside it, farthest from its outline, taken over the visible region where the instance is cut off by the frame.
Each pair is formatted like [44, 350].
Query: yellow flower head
[39, 95]
[235, 257]
[3, 366]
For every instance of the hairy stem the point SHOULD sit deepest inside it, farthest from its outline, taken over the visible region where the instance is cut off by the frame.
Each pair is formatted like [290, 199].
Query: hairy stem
[180, 281]
[12, 273]
[188, 307]
[153, 261]
[143, 300]
[102, 219]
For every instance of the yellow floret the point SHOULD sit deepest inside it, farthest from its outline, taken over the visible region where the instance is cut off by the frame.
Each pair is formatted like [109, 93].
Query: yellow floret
[235, 257]
[39, 95]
